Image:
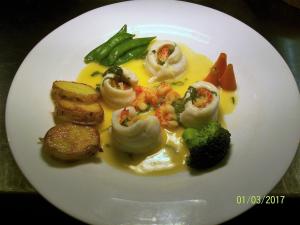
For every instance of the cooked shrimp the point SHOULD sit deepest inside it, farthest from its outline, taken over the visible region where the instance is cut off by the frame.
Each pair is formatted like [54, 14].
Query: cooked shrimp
[166, 94]
[163, 89]
[167, 116]
[144, 98]
[171, 96]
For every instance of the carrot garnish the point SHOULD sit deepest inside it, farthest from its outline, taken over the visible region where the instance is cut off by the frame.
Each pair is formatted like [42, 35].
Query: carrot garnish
[217, 70]
[227, 80]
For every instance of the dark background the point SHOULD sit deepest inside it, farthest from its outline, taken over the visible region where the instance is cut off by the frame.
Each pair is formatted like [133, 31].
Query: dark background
[33, 209]
[23, 24]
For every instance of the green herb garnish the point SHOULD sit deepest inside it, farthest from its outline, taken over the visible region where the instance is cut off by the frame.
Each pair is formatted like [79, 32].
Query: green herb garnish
[177, 83]
[193, 94]
[214, 93]
[118, 75]
[233, 100]
[114, 70]
[145, 110]
[179, 104]
[95, 73]
[125, 122]
[98, 87]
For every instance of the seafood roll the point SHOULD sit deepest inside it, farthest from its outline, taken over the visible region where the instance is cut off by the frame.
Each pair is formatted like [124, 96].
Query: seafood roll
[201, 105]
[134, 133]
[165, 61]
[117, 88]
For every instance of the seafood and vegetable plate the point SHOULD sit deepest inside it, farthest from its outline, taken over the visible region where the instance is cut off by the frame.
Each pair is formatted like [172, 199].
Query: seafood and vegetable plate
[157, 106]
[153, 112]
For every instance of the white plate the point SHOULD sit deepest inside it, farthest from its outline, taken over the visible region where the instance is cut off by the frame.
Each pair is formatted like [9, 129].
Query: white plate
[265, 125]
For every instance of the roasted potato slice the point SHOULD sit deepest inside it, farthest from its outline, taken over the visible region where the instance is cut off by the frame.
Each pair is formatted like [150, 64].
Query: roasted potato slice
[70, 142]
[80, 113]
[74, 91]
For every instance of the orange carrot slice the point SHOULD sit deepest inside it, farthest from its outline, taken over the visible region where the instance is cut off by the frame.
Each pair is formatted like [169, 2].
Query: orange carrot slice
[227, 80]
[212, 78]
[221, 63]
[217, 70]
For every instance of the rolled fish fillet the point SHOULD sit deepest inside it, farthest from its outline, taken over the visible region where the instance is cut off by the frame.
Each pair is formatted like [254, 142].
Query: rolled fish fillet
[140, 136]
[165, 60]
[118, 94]
[204, 108]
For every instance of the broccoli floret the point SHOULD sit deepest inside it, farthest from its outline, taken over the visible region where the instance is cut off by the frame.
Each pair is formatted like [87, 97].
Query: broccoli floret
[207, 146]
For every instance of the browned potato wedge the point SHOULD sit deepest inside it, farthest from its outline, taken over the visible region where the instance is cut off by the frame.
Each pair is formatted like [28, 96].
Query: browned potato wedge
[80, 113]
[74, 91]
[71, 142]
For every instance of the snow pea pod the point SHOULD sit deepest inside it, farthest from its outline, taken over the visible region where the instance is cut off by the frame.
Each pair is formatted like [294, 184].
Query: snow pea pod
[91, 55]
[101, 54]
[135, 53]
[125, 46]
[104, 62]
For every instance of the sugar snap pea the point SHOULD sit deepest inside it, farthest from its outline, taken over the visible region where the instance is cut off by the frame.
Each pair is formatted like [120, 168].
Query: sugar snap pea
[101, 54]
[125, 46]
[104, 62]
[91, 55]
[135, 53]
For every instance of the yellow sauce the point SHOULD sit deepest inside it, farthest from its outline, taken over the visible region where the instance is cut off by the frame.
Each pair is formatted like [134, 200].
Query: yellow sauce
[170, 156]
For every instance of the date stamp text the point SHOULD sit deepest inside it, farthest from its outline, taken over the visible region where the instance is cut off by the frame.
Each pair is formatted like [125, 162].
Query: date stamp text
[256, 199]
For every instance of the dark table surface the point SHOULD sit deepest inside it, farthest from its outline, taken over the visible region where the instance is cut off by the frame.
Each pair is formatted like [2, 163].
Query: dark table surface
[23, 24]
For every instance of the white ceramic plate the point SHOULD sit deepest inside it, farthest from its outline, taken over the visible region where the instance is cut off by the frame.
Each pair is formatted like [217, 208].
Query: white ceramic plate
[265, 125]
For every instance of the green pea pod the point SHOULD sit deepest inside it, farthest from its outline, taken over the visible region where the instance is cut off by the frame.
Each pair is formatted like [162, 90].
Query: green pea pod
[104, 62]
[135, 53]
[126, 46]
[123, 29]
[90, 56]
[110, 44]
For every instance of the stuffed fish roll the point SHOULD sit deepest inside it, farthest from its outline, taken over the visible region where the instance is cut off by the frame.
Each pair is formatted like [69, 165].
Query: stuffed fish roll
[165, 61]
[117, 87]
[201, 105]
[134, 133]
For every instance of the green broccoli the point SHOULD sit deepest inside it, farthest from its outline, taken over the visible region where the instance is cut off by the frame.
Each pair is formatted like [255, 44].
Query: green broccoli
[207, 146]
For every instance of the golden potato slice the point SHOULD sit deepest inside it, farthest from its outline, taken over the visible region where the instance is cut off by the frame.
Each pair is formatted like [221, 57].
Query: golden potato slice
[71, 142]
[80, 113]
[74, 91]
